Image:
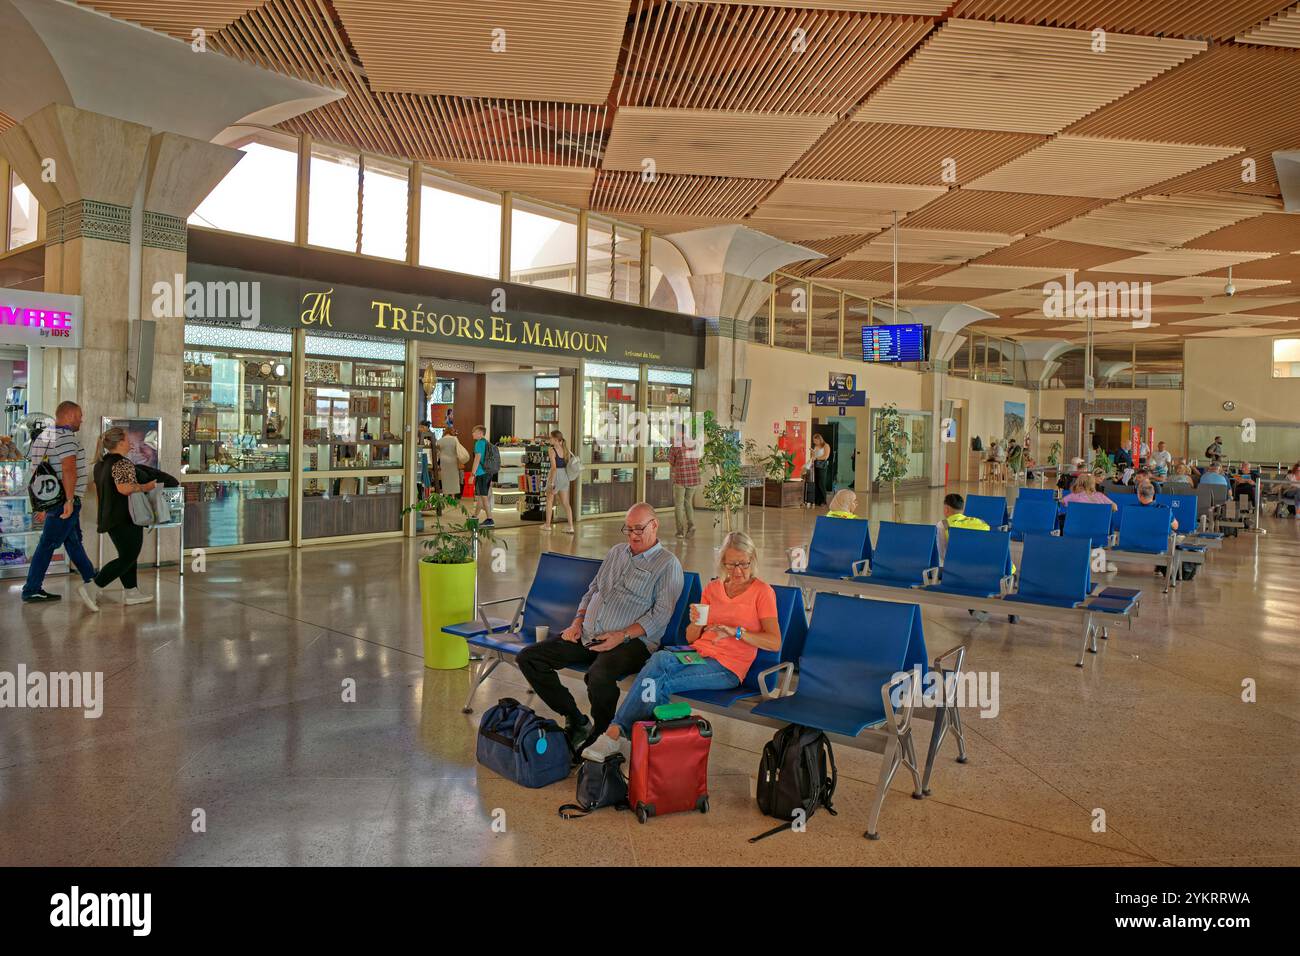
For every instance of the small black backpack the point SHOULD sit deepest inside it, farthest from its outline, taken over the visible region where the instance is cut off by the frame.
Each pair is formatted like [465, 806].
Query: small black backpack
[600, 784]
[491, 463]
[796, 772]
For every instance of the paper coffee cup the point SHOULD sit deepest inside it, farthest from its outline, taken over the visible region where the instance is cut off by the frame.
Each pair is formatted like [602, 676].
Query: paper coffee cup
[543, 632]
[701, 614]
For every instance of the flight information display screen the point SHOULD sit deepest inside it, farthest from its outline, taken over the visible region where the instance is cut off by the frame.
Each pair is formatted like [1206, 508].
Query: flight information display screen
[894, 343]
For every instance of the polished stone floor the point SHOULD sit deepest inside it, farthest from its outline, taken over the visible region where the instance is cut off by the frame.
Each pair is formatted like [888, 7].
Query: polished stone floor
[225, 697]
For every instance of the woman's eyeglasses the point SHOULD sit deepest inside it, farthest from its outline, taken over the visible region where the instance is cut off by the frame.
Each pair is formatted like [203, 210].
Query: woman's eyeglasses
[737, 565]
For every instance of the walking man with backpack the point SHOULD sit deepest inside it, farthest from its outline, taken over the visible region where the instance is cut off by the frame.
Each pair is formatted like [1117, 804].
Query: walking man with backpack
[486, 464]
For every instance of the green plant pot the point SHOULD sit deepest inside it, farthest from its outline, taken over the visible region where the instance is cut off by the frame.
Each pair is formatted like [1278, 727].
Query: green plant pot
[446, 597]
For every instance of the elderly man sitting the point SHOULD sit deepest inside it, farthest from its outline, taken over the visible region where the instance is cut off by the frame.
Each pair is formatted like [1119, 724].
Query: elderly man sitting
[619, 623]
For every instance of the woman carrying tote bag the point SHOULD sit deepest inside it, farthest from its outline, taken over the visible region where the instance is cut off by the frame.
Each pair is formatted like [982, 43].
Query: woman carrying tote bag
[116, 481]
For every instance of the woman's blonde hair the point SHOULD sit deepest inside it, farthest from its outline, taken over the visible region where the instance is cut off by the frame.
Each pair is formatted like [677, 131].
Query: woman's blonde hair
[844, 500]
[1084, 484]
[109, 440]
[737, 541]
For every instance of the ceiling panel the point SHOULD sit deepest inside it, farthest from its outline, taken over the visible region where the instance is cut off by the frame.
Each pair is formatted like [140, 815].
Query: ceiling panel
[1041, 252]
[176, 17]
[899, 153]
[712, 197]
[1207, 286]
[1219, 19]
[1152, 223]
[1006, 76]
[914, 7]
[847, 207]
[711, 142]
[1278, 267]
[1268, 233]
[1280, 30]
[758, 58]
[1013, 213]
[1179, 262]
[453, 47]
[1104, 168]
[930, 245]
[997, 277]
[880, 271]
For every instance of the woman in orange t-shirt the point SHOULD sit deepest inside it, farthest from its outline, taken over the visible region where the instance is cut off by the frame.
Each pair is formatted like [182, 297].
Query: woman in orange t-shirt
[741, 622]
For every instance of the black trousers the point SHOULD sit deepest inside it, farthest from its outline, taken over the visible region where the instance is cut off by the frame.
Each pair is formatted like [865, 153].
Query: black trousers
[127, 539]
[539, 663]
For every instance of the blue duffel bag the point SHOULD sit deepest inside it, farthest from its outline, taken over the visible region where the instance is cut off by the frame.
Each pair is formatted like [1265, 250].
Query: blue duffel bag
[532, 751]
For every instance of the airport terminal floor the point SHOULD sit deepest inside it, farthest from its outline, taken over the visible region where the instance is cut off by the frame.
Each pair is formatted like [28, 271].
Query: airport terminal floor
[224, 696]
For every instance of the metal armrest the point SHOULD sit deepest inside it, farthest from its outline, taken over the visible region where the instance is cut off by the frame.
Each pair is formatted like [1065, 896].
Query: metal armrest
[898, 716]
[860, 566]
[930, 576]
[516, 619]
[959, 653]
[784, 690]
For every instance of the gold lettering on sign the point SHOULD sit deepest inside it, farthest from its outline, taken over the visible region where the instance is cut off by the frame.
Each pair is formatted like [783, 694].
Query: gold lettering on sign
[318, 311]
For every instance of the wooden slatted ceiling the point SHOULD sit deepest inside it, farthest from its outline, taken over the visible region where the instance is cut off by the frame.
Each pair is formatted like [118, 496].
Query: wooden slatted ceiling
[716, 197]
[1218, 19]
[858, 206]
[758, 58]
[1152, 223]
[920, 8]
[567, 185]
[6, 121]
[1014, 213]
[930, 245]
[176, 17]
[1105, 168]
[711, 142]
[1268, 233]
[1231, 94]
[564, 52]
[1278, 267]
[493, 130]
[998, 277]
[1041, 252]
[1004, 76]
[1229, 175]
[899, 153]
[798, 230]
[1281, 30]
[1179, 262]
[880, 272]
[299, 38]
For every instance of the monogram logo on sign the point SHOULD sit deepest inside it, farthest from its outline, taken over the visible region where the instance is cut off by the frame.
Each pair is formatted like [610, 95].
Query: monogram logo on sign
[318, 311]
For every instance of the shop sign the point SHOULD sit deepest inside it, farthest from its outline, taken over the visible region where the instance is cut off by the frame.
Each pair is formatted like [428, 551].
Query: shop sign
[1051, 426]
[843, 382]
[467, 319]
[43, 319]
[834, 397]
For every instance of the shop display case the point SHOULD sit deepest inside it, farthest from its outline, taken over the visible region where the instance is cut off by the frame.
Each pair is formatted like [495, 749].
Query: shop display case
[669, 400]
[546, 405]
[236, 414]
[352, 415]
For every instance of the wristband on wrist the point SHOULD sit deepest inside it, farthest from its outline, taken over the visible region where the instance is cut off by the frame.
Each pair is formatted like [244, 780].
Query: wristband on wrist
[739, 631]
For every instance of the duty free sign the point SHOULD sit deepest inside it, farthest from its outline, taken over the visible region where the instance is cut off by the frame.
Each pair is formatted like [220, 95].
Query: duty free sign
[43, 319]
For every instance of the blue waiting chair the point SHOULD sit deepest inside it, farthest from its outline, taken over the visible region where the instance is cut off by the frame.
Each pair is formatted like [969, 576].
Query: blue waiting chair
[1035, 494]
[838, 546]
[902, 555]
[1145, 530]
[1033, 517]
[793, 622]
[855, 645]
[558, 585]
[991, 509]
[1086, 520]
[976, 564]
[1054, 571]
[1187, 509]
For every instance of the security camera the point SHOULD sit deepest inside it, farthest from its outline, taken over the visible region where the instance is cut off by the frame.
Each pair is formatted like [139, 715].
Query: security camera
[1229, 289]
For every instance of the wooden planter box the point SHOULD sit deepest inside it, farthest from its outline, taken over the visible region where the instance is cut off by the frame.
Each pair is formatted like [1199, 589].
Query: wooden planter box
[777, 494]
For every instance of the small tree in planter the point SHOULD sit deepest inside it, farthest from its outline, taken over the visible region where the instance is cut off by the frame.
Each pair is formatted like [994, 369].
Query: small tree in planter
[1101, 462]
[1054, 456]
[894, 443]
[448, 573]
[724, 491]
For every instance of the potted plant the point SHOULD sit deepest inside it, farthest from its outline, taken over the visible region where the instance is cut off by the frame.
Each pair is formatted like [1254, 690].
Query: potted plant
[724, 491]
[893, 444]
[779, 490]
[448, 573]
[1101, 462]
[1054, 455]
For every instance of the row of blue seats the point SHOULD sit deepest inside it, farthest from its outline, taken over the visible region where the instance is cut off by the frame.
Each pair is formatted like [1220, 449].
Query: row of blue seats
[1038, 512]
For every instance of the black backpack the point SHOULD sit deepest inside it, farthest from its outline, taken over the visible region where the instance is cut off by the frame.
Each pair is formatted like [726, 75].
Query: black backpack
[793, 775]
[491, 462]
[600, 784]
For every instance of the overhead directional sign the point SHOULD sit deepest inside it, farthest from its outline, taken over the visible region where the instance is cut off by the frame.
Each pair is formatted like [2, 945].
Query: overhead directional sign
[830, 398]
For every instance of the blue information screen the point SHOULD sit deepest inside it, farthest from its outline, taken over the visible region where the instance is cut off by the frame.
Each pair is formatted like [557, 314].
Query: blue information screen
[893, 343]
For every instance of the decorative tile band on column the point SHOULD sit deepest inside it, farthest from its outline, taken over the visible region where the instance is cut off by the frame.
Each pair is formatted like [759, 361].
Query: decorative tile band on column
[54, 226]
[91, 219]
[162, 231]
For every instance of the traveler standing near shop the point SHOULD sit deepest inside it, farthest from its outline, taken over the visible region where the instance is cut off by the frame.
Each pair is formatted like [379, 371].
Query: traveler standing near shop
[1215, 450]
[61, 448]
[684, 470]
[558, 481]
[818, 468]
[617, 625]
[484, 468]
[115, 482]
[449, 474]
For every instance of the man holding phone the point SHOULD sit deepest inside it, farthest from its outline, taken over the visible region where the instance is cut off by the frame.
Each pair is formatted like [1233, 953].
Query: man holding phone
[619, 623]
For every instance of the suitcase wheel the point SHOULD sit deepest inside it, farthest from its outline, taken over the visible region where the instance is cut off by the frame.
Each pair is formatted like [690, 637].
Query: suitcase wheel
[641, 815]
[702, 804]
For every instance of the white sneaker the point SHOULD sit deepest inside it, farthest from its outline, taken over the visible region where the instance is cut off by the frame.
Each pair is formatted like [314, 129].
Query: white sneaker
[88, 591]
[134, 596]
[600, 748]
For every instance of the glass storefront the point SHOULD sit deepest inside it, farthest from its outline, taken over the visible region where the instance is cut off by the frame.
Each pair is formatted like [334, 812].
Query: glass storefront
[669, 400]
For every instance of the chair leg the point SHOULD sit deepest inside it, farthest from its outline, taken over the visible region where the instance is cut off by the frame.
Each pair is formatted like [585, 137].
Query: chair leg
[1087, 635]
[892, 757]
[485, 667]
[936, 741]
[960, 734]
[909, 758]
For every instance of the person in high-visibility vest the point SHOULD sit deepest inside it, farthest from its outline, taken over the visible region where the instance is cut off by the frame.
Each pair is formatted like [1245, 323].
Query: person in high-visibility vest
[954, 518]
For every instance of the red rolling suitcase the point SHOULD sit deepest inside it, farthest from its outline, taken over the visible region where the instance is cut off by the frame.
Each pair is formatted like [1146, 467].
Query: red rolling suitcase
[670, 767]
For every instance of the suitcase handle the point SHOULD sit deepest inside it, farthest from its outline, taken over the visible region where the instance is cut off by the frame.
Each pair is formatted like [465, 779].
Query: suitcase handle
[652, 734]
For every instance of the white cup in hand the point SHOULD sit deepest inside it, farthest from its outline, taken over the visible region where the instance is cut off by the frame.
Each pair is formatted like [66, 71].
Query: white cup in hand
[700, 614]
[543, 632]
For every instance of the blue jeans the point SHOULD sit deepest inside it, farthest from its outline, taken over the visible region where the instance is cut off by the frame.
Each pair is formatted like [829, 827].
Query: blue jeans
[58, 532]
[663, 676]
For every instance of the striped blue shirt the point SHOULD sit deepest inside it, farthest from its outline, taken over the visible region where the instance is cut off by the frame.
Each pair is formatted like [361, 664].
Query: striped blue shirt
[56, 444]
[633, 589]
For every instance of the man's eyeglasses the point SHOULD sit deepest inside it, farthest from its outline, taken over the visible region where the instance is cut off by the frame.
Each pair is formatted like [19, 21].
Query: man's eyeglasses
[737, 565]
[639, 528]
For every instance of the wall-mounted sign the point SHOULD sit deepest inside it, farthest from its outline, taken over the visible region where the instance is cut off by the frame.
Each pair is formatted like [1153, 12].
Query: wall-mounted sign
[40, 318]
[1051, 426]
[832, 398]
[843, 382]
[459, 310]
